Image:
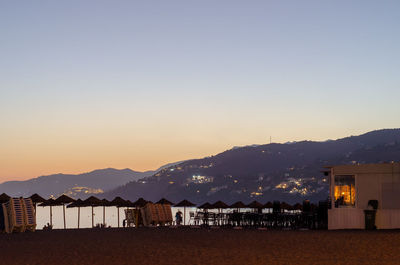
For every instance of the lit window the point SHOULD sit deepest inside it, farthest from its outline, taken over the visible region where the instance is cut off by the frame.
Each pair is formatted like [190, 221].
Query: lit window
[345, 192]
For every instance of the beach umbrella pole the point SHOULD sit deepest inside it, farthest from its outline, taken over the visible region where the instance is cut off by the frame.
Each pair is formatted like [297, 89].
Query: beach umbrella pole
[34, 206]
[137, 218]
[64, 215]
[79, 215]
[184, 215]
[51, 216]
[104, 216]
[118, 216]
[92, 217]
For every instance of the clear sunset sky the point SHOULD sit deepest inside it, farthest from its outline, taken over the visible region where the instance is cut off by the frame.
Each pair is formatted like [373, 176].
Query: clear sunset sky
[137, 84]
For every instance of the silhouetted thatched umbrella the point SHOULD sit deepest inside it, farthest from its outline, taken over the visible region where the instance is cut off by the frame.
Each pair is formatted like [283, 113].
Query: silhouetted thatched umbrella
[268, 205]
[205, 206]
[164, 201]
[4, 198]
[105, 203]
[298, 206]
[140, 203]
[118, 202]
[255, 205]
[93, 202]
[78, 203]
[50, 202]
[62, 200]
[238, 205]
[286, 206]
[220, 205]
[129, 204]
[184, 204]
[36, 198]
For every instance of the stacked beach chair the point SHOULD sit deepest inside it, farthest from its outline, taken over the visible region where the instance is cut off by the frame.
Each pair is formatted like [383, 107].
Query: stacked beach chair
[162, 219]
[165, 209]
[29, 214]
[130, 217]
[17, 215]
[149, 214]
[4, 227]
[133, 215]
[156, 214]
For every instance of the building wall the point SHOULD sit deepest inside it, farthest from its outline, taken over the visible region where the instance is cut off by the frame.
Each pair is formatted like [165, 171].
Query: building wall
[372, 182]
[345, 218]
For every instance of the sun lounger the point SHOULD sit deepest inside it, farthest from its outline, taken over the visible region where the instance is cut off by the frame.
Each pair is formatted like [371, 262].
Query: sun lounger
[156, 214]
[131, 217]
[167, 213]
[16, 215]
[29, 214]
[4, 227]
[162, 219]
[149, 214]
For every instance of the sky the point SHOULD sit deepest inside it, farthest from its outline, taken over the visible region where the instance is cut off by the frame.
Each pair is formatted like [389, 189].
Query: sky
[137, 84]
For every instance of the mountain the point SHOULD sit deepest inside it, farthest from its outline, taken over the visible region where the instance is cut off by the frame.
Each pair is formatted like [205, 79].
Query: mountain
[80, 185]
[288, 172]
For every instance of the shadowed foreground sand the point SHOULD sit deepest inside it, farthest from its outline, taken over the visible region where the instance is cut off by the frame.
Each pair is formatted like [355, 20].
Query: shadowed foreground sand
[200, 246]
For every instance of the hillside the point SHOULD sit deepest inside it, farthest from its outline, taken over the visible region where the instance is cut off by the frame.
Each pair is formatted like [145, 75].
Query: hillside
[80, 185]
[289, 172]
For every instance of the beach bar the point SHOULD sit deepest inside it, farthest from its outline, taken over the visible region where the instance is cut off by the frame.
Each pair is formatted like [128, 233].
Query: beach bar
[364, 193]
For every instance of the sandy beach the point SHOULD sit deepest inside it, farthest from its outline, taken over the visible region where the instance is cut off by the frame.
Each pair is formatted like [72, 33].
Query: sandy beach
[200, 246]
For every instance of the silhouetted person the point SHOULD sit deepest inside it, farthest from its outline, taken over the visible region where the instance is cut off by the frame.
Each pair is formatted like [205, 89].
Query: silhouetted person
[178, 217]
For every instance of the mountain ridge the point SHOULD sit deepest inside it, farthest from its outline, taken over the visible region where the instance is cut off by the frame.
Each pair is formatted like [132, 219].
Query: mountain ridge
[79, 185]
[276, 171]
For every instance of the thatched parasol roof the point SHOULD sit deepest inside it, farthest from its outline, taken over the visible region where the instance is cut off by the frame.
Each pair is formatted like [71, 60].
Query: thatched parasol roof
[205, 206]
[255, 205]
[164, 201]
[118, 201]
[185, 203]
[268, 205]
[77, 203]
[130, 204]
[64, 199]
[220, 205]
[105, 202]
[92, 201]
[50, 202]
[298, 206]
[140, 203]
[36, 198]
[286, 206]
[4, 198]
[238, 204]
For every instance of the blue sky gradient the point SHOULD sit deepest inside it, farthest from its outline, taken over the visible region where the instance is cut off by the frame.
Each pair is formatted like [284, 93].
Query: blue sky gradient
[92, 84]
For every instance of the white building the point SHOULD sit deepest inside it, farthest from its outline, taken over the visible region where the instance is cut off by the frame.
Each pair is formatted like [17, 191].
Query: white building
[352, 186]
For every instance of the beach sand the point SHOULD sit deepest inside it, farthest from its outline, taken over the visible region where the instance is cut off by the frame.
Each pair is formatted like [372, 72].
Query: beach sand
[199, 246]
